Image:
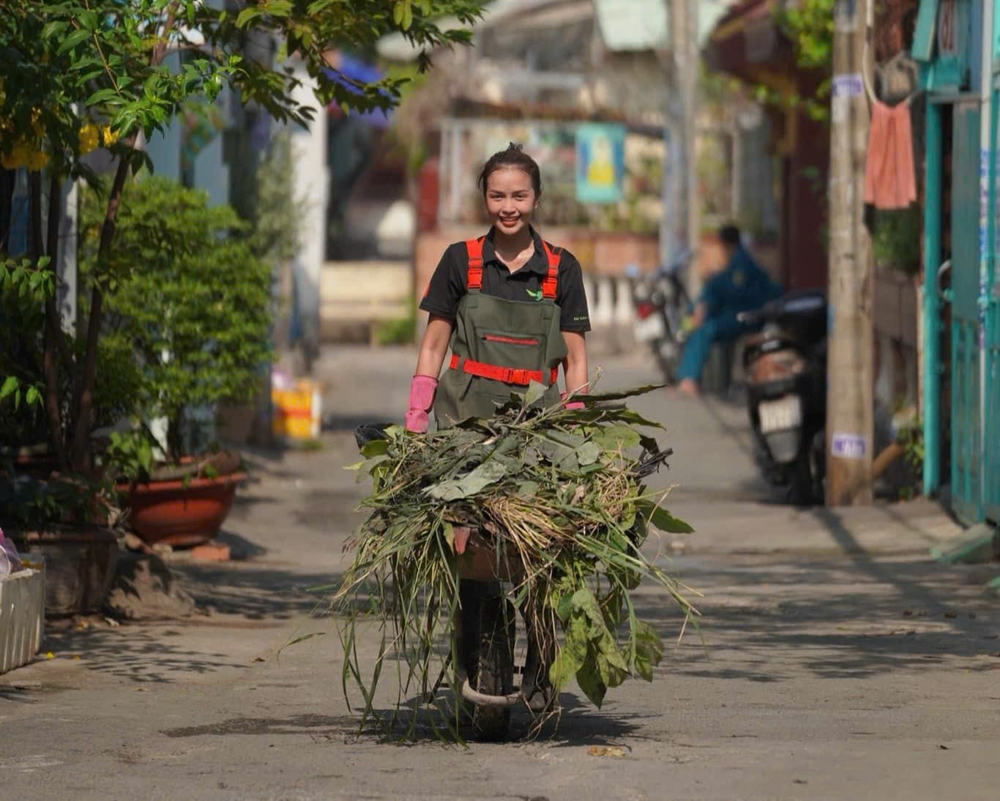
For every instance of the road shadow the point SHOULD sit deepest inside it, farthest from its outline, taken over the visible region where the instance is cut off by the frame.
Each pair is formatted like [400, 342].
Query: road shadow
[145, 655]
[317, 727]
[255, 592]
[231, 596]
[766, 623]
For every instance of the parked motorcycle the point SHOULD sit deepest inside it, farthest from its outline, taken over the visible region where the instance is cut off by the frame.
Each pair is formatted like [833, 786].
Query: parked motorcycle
[661, 301]
[785, 367]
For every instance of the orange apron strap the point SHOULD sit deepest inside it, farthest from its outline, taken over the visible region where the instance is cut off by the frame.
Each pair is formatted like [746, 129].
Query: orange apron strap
[508, 375]
[551, 281]
[474, 247]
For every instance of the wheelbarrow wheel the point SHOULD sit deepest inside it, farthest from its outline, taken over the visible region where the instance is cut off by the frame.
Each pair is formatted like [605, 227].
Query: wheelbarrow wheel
[491, 669]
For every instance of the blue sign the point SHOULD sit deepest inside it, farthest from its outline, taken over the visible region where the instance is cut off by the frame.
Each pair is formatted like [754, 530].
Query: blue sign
[600, 163]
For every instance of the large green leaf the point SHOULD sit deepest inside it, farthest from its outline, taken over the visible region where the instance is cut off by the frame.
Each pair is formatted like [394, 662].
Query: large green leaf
[572, 655]
[648, 650]
[620, 394]
[469, 484]
[534, 393]
[616, 437]
[589, 679]
[666, 522]
[527, 489]
[588, 453]
[375, 447]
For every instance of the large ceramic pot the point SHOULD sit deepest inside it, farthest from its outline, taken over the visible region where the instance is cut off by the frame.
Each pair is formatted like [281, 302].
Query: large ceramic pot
[79, 566]
[181, 512]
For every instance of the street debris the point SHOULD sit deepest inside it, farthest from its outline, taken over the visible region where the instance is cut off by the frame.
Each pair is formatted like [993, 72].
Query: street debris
[614, 751]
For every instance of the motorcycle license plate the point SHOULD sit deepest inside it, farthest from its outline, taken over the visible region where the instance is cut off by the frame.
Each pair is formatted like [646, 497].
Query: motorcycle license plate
[649, 329]
[781, 414]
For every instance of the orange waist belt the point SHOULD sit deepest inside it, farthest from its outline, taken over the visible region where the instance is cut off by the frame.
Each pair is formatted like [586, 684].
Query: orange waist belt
[508, 375]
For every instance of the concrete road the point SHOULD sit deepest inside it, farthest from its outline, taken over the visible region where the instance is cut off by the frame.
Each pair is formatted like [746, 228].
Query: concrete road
[835, 661]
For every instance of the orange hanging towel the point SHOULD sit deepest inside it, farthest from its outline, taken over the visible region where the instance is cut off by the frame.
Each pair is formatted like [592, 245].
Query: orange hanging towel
[890, 181]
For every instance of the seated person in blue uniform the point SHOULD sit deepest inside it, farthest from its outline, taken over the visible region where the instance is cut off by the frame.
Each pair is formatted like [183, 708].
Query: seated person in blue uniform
[742, 285]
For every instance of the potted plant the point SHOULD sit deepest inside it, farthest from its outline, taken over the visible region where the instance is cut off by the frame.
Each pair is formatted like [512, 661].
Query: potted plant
[58, 514]
[195, 310]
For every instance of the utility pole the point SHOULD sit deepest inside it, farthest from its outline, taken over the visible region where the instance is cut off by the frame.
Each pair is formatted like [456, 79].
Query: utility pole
[850, 384]
[681, 195]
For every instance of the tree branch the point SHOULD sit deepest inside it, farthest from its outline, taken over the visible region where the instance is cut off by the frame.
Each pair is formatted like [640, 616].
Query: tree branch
[83, 392]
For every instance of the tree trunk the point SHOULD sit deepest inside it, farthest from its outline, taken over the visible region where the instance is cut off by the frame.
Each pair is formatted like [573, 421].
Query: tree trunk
[6, 205]
[53, 333]
[83, 392]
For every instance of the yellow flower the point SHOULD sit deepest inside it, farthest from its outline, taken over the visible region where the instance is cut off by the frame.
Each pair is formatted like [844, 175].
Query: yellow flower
[109, 137]
[37, 159]
[17, 157]
[88, 138]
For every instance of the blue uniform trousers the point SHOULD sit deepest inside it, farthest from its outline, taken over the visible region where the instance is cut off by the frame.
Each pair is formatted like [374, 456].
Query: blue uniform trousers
[699, 344]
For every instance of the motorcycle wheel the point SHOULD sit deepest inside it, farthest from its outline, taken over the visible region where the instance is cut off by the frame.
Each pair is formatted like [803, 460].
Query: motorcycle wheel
[806, 487]
[491, 667]
[668, 362]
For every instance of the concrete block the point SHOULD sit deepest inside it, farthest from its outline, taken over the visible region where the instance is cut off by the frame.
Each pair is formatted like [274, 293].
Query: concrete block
[974, 546]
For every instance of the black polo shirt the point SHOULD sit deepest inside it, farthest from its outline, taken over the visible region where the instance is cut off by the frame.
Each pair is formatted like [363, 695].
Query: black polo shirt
[450, 282]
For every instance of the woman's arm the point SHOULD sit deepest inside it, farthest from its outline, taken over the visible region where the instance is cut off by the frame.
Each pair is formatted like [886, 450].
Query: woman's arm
[434, 346]
[575, 365]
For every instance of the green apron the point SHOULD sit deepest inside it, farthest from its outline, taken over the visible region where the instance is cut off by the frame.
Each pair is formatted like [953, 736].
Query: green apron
[498, 346]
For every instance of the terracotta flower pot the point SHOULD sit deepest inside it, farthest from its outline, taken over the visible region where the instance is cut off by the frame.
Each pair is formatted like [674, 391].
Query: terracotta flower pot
[178, 512]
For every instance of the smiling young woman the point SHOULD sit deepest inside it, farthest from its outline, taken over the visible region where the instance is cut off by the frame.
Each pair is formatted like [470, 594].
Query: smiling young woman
[509, 305]
[512, 309]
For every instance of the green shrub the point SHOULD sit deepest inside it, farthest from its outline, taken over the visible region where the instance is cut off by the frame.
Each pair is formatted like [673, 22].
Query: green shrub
[194, 302]
[396, 331]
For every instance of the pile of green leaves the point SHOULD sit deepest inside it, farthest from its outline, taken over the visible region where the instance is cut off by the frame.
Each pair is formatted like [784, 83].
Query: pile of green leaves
[557, 495]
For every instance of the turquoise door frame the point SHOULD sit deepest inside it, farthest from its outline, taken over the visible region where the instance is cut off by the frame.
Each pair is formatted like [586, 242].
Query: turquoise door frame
[974, 296]
[966, 383]
[989, 300]
[932, 365]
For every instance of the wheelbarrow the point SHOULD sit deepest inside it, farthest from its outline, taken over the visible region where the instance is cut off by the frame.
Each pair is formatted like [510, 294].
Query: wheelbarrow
[486, 631]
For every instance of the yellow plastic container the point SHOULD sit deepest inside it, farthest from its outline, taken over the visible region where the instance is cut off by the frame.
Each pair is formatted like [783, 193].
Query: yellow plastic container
[298, 411]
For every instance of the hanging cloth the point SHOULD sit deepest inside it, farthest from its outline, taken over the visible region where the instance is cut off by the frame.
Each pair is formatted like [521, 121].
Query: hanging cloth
[890, 180]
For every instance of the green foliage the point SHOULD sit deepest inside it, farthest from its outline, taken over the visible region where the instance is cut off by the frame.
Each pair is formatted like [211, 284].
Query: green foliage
[189, 296]
[99, 60]
[277, 216]
[129, 454]
[24, 289]
[28, 504]
[396, 331]
[81, 74]
[557, 499]
[809, 25]
[896, 239]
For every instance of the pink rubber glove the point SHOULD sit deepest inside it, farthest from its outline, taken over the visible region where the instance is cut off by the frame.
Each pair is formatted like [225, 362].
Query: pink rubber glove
[422, 389]
[573, 405]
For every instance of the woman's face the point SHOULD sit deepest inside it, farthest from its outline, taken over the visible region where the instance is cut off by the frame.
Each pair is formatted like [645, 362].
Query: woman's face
[510, 200]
